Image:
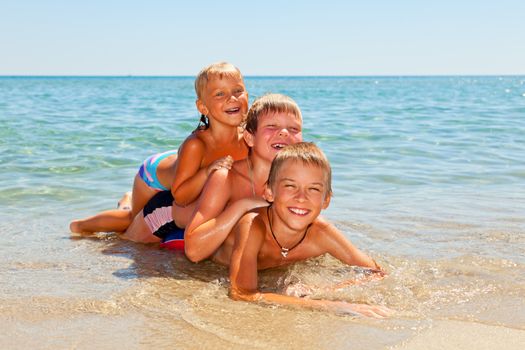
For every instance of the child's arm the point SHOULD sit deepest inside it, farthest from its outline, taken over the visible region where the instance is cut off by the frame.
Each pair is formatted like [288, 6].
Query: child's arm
[189, 176]
[243, 276]
[211, 223]
[332, 241]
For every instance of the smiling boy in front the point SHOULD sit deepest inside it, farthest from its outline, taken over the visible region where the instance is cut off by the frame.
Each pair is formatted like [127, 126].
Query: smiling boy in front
[290, 230]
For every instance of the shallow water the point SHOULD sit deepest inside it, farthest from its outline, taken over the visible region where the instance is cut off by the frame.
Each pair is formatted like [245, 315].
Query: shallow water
[429, 178]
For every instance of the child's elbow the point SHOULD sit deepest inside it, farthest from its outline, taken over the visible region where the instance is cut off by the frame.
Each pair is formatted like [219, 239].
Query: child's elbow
[192, 254]
[181, 196]
[178, 199]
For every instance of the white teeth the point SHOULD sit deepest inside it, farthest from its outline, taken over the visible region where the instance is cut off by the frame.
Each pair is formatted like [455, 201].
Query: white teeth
[299, 211]
[278, 145]
[233, 110]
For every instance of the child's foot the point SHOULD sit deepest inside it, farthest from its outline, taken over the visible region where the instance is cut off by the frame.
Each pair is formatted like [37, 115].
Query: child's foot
[125, 202]
[76, 227]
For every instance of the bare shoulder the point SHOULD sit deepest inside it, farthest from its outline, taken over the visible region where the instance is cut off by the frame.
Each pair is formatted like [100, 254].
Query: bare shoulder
[324, 232]
[322, 225]
[203, 136]
[239, 168]
[239, 180]
[193, 143]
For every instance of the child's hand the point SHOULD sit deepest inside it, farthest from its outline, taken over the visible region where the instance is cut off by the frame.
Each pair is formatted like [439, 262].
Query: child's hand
[298, 290]
[225, 162]
[256, 202]
[251, 203]
[375, 311]
[376, 275]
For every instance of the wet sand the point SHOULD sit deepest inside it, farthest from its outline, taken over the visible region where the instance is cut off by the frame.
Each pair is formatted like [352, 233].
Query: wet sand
[454, 335]
[63, 292]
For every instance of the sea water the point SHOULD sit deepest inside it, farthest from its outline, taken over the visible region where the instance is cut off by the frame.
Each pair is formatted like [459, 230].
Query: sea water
[429, 178]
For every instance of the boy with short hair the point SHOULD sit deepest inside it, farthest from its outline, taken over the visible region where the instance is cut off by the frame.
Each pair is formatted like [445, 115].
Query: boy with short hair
[290, 230]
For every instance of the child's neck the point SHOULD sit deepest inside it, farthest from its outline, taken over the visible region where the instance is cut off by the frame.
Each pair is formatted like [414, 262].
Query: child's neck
[223, 134]
[260, 169]
[286, 237]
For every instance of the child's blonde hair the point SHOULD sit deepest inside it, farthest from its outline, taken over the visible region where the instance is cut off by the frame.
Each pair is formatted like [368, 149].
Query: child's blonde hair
[307, 153]
[218, 69]
[270, 103]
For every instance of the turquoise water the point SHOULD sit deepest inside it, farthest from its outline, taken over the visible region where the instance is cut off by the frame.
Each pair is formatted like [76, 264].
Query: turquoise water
[424, 146]
[429, 174]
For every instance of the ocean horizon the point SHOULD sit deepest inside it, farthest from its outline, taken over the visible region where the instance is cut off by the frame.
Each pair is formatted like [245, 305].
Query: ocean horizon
[262, 76]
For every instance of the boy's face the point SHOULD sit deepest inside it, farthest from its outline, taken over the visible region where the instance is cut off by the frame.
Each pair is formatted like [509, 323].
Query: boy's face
[274, 131]
[298, 194]
[225, 100]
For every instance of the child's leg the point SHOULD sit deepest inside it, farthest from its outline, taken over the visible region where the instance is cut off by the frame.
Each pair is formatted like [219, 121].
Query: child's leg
[142, 193]
[116, 220]
[139, 231]
[107, 221]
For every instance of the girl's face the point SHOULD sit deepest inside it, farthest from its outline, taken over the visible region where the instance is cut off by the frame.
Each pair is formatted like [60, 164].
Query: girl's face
[224, 100]
[274, 131]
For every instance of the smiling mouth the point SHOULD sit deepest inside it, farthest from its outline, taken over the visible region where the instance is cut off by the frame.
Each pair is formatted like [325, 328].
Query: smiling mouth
[233, 110]
[298, 211]
[279, 146]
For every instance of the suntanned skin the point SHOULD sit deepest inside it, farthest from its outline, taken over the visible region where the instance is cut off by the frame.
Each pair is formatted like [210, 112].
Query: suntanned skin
[250, 246]
[221, 203]
[225, 101]
[297, 199]
[209, 220]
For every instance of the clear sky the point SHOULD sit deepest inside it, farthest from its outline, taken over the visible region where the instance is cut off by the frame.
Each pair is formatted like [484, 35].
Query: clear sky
[269, 37]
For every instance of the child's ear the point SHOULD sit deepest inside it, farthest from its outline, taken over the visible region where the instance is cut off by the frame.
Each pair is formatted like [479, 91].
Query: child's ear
[268, 194]
[201, 107]
[326, 201]
[249, 138]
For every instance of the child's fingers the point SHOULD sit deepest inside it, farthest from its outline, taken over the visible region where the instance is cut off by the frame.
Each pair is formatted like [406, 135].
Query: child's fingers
[381, 311]
[226, 162]
[366, 310]
[221, 163]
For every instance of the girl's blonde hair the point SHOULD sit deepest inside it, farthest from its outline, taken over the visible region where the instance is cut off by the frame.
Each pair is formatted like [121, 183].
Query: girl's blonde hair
[218, 69]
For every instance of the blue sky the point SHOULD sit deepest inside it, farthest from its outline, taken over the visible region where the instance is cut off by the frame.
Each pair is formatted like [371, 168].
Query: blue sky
[324, 37]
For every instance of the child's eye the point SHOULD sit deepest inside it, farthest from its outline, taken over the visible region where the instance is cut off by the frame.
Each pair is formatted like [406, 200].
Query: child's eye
[315, 189]
[219, 94]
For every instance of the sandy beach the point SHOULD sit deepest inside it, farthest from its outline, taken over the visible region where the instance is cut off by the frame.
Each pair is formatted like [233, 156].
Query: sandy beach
[456, 335]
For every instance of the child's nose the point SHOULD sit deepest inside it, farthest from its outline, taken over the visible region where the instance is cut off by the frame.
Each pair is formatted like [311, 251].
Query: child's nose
[300, 195]
[284, 132]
